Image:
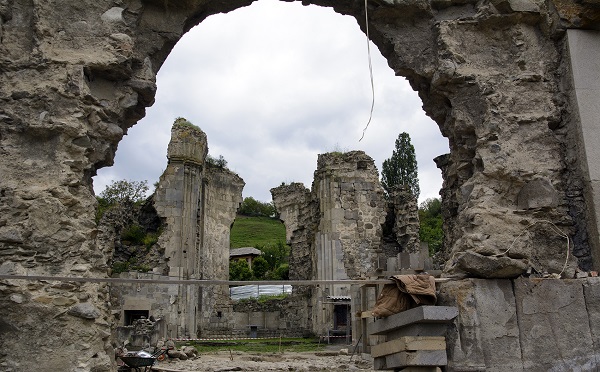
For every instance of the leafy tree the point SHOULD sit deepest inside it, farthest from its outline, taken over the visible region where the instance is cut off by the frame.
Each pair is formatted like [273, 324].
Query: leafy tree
[281, 273]
[401, 168]
[239, 270]
[123, 190]
[275, 255]
[260, 267]
[430, 219]
[255, 208]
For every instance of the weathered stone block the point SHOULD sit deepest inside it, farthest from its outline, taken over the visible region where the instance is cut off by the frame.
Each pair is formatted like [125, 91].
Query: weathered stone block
[538, 193]
[553, 319]
[508, 6]
[485, 335]
[417, 315]
[489, 266]
[591, 291]
[425, 329]
[409, 343]
[411, 358]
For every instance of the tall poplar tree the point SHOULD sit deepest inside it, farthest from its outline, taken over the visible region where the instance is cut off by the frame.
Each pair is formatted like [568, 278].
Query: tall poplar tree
[401, 168]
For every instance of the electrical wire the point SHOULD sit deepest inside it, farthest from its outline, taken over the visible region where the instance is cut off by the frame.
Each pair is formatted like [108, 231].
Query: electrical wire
[370, 72]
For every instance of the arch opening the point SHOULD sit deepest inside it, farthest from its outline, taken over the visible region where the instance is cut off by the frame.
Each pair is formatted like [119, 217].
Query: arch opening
[281, 83]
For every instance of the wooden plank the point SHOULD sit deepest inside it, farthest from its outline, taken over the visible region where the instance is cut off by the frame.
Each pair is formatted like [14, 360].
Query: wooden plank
[420, 314]
[424, 358]
[409, 343]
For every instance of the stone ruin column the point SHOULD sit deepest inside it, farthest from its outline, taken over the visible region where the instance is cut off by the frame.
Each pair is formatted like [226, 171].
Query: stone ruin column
[334, 230]
[176, 200]
[221, 198]
[406, 219]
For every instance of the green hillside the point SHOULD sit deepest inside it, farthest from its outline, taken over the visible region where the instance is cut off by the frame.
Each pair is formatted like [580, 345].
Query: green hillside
[256, 232]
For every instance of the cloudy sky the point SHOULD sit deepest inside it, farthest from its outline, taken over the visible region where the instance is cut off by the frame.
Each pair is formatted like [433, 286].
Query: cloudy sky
[273, 85]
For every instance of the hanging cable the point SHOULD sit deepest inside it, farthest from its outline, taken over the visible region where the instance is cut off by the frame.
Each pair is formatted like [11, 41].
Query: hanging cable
[370, 72]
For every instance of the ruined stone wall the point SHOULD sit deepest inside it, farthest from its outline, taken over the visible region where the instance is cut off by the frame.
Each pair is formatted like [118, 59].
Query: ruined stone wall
[75, 75]
[299, 212]
[406, 220]
[352, 210]
[221, 198]
[337, 226]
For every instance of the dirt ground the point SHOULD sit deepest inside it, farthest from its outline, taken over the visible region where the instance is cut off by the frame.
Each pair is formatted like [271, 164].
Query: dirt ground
[223, 361]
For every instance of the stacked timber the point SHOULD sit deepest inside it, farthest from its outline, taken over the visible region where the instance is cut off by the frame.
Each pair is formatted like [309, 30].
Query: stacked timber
[414, 339]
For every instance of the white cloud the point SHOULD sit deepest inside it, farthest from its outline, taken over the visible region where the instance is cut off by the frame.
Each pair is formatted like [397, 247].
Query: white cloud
[273, 85]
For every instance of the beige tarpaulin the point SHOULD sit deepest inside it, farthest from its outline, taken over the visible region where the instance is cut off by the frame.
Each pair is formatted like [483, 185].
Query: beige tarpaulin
[408, 291]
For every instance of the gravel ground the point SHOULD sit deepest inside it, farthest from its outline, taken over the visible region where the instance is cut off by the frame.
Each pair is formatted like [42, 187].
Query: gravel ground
[224, 361]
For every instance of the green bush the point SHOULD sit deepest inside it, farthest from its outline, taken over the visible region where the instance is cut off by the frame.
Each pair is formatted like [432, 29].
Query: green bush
[133, 234]
[120, 267]
[239, 270]
[150, 239]
[255, 208]
[281, 273]
[260, 267]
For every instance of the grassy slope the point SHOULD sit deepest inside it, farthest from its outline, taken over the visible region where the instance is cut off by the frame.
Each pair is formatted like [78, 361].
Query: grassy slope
[256, 232]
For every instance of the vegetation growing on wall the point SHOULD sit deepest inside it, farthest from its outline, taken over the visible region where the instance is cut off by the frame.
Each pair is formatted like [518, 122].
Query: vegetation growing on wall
[219, 162]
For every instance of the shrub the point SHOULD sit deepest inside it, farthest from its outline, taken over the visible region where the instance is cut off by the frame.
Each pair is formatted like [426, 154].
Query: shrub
[133, 234]
[120, 267]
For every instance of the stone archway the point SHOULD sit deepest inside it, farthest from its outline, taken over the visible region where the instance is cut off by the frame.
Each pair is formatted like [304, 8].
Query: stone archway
[494, 75]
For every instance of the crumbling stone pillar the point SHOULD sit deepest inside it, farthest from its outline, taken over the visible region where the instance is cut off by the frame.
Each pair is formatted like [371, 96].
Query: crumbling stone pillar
[406, 219]
[336, 227]
[299, 213]
[176, 200]
[198, 202]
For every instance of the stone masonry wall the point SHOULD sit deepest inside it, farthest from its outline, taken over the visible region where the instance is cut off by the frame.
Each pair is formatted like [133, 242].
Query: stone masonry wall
[299, 212]
[75, 75]
[337, 225]
[406, 220]
[523, 324]
[222, 196]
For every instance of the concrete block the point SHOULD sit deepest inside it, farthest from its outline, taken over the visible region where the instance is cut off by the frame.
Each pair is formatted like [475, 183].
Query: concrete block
[485, 335]
[392, 264]
[554, 325]
[421, 314]
[430, 358]
[257, 319]
[408, 343]
[416, 261]
[403, 260]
